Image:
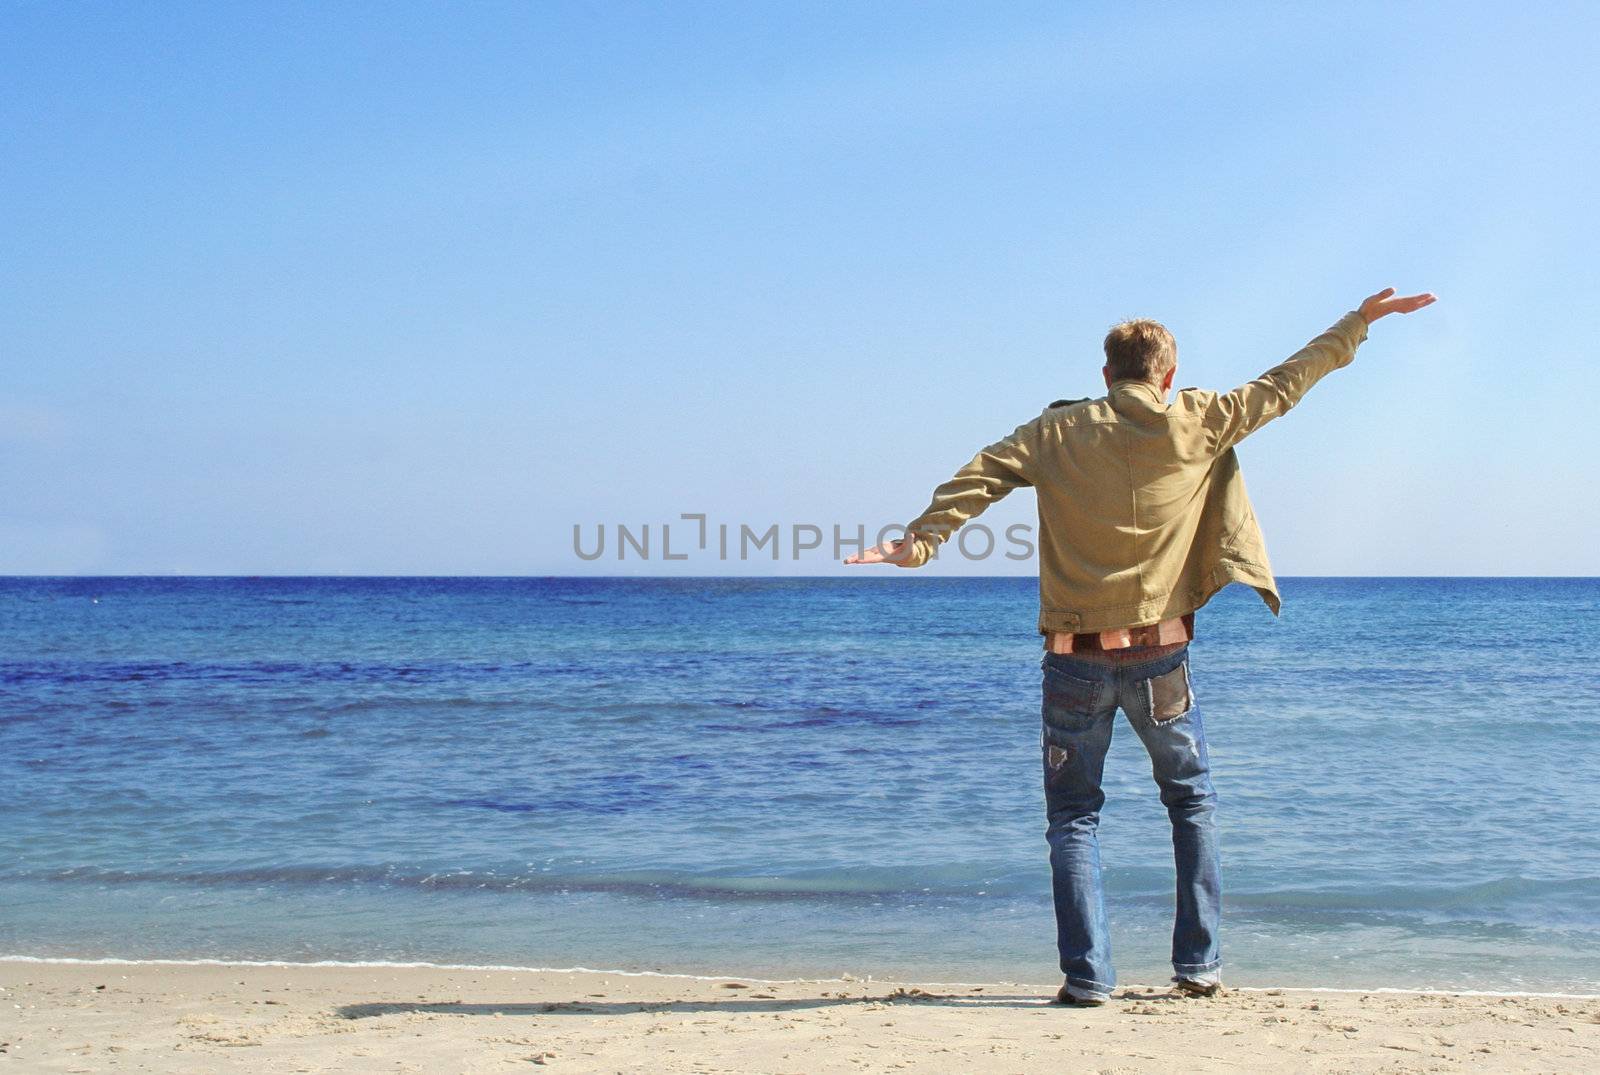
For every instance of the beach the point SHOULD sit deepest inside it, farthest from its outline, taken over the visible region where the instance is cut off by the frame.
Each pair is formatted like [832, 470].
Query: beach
[708, 775]
[172, 1017]
[340, 789]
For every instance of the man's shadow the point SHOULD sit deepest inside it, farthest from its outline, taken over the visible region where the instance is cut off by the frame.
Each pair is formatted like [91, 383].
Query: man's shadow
[899, 998]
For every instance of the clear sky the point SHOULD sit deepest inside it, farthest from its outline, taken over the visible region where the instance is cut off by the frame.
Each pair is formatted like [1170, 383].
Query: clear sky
[415, 289]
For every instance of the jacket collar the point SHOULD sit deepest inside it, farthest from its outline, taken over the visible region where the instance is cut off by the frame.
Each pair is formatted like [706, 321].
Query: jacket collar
[1138, 388]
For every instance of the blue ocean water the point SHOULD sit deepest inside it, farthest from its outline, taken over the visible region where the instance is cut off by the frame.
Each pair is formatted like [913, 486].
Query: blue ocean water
[778, 777]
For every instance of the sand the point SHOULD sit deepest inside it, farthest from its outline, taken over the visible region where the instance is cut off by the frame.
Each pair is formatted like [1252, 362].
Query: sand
[165, 1017]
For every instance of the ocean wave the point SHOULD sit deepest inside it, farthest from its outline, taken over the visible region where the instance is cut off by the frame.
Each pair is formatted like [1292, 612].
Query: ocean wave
[875, 884]
[1577, 891]
[1493, 902]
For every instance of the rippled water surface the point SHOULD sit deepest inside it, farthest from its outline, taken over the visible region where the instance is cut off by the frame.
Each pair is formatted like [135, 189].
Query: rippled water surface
[777, 777]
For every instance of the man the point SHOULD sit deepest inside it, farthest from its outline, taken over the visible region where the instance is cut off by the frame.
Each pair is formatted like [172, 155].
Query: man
[1143, 516]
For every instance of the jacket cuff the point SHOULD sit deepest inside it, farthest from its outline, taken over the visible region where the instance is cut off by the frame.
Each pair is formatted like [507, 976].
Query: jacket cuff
[921, 552]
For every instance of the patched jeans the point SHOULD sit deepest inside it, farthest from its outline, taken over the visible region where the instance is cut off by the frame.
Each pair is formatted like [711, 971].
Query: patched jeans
[1082, 694]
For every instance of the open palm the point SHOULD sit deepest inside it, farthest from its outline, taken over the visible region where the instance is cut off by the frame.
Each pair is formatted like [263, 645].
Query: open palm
[1387, 302]
[890, 552]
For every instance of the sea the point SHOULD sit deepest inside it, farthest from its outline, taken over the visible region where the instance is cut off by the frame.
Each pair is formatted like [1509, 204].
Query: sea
[782, 777]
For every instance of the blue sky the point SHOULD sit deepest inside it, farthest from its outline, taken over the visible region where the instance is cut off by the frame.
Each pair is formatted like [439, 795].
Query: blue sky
[416, 289]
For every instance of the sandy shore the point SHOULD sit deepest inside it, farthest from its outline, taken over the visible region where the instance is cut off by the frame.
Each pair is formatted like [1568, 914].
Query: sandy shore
[234, 1017]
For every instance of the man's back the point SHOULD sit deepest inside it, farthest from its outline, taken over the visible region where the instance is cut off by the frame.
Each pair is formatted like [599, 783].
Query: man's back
[1143, 513]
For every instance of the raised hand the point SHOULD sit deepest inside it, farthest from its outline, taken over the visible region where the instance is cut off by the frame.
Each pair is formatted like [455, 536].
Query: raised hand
[1385, 302]
[890, 552]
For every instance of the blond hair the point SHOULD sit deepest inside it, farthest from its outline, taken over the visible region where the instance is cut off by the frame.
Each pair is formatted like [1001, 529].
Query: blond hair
[1140, 350]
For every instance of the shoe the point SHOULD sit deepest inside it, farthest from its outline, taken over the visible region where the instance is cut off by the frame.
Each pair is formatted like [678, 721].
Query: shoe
[1191, 987]
[1064, 996]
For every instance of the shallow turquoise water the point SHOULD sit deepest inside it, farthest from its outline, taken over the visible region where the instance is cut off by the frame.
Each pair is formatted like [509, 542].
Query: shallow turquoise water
[768, 777]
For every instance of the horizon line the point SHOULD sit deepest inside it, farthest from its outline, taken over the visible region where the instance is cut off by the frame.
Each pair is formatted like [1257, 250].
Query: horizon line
[865, 576]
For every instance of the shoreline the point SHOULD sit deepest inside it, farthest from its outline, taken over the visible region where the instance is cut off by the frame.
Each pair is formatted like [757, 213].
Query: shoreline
[109, 1015]
[120, 961]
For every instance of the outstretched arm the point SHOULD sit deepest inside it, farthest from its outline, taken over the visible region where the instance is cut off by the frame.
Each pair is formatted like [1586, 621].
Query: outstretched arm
[992, 473]
[1232, 416]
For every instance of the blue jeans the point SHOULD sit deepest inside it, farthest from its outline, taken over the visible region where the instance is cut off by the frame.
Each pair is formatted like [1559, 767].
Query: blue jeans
[1081, 696]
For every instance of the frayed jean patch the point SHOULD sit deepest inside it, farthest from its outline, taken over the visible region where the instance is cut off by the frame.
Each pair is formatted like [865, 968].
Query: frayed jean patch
[1171, 695]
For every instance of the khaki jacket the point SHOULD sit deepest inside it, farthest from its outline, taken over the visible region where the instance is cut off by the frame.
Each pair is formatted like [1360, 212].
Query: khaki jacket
[1143, 513]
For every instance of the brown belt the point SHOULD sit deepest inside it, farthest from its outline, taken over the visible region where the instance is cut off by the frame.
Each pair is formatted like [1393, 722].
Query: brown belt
[1165, 633]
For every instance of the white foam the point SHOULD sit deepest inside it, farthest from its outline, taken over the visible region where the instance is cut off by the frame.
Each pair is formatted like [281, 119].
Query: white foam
[863, 978]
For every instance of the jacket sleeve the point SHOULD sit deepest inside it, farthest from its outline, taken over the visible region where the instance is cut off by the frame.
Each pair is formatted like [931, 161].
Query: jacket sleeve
[995, 471]
[1232, 416]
